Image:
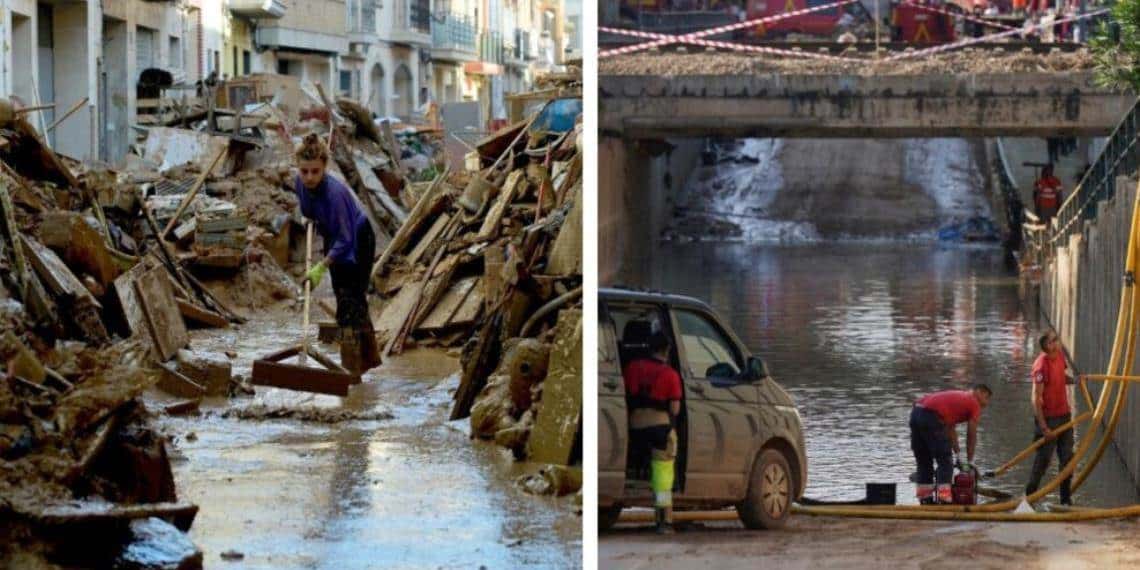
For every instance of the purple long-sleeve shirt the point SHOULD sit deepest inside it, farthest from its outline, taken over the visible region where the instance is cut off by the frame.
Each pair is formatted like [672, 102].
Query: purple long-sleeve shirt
[337, 215]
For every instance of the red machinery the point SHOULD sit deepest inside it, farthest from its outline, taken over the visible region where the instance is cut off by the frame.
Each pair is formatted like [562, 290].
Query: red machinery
[821, 23]
[913, 24]
[965, 488]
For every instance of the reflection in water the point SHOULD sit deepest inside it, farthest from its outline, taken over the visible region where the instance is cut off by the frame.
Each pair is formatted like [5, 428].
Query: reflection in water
[858, 332]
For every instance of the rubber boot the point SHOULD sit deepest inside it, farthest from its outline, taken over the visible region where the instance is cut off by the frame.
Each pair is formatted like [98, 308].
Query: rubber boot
[369, 350]
[350, 357]
[664, 520]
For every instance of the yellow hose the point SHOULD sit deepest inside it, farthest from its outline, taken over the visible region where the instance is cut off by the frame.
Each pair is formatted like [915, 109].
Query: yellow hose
[1028, 451]
[1082, 515]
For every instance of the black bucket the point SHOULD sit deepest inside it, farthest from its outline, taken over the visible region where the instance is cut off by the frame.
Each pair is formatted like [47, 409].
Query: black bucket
[881, 494]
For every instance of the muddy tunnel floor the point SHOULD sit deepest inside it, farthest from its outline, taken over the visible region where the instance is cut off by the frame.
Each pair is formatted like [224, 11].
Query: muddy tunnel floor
[401, 488]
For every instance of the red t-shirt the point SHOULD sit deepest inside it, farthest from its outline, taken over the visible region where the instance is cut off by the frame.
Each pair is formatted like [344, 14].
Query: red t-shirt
[1048, 192]
[953, 406]
[1049, 373]
[652, 379]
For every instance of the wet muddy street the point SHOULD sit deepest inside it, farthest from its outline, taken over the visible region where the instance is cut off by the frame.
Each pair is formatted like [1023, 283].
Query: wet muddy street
[394, 486]
[858, 331]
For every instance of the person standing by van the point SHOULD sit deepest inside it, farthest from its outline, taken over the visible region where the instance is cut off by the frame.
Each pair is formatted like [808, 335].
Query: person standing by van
[653, 389]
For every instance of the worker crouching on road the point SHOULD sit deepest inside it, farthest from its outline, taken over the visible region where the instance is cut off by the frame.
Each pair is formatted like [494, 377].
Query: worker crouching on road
[349, 248]
[1051, 410]
[933, 436]
[654, 392]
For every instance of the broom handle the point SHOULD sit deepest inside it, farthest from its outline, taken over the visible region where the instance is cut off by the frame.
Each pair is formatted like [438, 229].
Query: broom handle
[308, 288]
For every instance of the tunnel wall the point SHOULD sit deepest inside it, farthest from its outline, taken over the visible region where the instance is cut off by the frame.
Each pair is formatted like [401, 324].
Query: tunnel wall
[1080, 294]
[636, 184]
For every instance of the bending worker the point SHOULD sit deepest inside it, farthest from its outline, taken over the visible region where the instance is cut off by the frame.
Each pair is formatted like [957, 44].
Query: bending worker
[654, 392]
[1051, 410]
[933, 436]
[349, 248]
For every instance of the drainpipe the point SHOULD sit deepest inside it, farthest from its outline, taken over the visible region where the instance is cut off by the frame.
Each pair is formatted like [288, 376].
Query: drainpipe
[94, 65]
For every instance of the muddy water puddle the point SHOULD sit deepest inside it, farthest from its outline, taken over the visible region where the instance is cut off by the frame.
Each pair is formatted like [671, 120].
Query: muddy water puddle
[406, 490]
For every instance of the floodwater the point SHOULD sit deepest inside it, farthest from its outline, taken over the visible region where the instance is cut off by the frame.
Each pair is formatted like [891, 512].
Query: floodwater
[857, 331]
[412, 491]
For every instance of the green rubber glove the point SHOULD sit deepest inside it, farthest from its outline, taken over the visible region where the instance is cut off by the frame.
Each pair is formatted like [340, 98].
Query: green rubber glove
[316, 273]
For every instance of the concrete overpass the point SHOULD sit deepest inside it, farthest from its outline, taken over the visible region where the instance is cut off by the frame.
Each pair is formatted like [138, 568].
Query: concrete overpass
[860, 106]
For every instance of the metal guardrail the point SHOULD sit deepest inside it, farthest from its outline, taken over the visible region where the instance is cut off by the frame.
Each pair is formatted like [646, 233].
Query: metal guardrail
[1120, 157]
[454, 32]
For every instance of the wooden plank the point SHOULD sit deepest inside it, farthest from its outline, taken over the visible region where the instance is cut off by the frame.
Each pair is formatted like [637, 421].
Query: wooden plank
[372, 184]
[416, 218]
[429, 237]
[128, 299]
[301, 378]
[103, 513]
[565, 256]
[557, 423]
[54, 272]
[165, 323]
[396, 311]
[201, 316]
[490, 228]
[445, 309]
[466, 314]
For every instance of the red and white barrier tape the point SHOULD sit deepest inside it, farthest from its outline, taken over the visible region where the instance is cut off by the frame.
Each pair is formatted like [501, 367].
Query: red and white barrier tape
[735, 46]
[960, 15]
[666, 39]
[991, 37]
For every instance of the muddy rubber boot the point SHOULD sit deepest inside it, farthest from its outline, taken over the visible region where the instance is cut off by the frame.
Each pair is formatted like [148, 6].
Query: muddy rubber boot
[664, 520]
[369, 350]
[350, 357]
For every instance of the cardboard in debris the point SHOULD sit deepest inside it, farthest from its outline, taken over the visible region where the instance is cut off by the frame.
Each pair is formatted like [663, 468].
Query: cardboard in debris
[169, 147]
[557, 423]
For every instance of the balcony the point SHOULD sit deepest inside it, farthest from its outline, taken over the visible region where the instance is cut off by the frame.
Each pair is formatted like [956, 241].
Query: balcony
[453, 38]
[491, 47]
[522, 51]
[411, 22]
[361, 21]
[257, 8]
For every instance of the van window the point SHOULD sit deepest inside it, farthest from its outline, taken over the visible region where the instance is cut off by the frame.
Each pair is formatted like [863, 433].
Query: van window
[816, 3]
[633, 324]
[607, 346]
[708, 352]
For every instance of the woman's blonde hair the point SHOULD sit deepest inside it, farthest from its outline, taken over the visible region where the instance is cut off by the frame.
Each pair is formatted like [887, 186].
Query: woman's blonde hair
[312, 148]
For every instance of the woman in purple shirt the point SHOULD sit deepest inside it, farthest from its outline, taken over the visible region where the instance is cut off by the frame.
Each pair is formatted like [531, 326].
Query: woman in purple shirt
[349, 248]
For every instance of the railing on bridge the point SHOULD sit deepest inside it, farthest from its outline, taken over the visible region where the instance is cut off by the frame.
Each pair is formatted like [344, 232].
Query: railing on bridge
[1120, 157]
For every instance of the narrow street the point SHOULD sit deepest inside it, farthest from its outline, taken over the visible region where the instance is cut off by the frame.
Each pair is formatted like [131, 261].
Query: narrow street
[399, 488]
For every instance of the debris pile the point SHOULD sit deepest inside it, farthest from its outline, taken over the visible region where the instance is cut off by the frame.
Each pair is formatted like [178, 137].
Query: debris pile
[966, 60]
[491, 259]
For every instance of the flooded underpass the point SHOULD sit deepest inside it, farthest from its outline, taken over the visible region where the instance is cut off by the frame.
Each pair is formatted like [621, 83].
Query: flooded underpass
[379, 479]
[857, 331]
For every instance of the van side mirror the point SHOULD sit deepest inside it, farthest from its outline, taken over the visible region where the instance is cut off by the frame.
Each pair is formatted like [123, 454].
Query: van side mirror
[757, 370]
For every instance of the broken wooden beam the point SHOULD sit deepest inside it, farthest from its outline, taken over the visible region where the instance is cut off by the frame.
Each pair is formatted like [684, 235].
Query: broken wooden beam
[91, 512]
[204, 317]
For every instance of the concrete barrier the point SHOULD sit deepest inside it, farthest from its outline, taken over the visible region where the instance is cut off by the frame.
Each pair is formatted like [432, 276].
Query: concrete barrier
[1080, 295]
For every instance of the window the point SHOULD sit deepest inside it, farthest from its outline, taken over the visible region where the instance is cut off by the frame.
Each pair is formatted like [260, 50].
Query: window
[283, 66]
[634, 324]
[245, 62]
[817, 3]
[236, 73]
[708, 352]
[346, 83]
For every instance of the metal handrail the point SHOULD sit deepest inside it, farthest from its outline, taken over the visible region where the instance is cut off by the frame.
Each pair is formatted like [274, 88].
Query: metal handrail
[1120, 156]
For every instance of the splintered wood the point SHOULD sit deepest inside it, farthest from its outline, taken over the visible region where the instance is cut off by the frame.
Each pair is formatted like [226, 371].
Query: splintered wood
[167, 329]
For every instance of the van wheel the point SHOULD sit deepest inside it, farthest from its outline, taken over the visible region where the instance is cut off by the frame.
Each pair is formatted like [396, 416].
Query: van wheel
[608, 516]
[769, 499]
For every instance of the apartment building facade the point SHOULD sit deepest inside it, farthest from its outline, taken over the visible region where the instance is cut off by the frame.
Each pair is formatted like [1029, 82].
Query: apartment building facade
[391, 55]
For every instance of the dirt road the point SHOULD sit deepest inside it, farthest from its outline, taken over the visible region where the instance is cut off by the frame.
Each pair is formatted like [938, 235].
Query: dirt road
[821, 542]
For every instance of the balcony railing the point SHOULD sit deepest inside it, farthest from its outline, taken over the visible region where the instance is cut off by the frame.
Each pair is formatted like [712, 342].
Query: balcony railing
[522, 49]
[413, 15]
[453, 32]
[491, 47]
[362, 16]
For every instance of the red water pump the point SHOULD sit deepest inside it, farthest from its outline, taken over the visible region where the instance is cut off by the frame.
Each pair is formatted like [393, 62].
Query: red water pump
[965, 488]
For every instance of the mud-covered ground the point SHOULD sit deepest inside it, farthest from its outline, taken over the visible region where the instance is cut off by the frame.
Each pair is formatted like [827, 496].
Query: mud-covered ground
[379, 479]
[826, 542]
[698, 62]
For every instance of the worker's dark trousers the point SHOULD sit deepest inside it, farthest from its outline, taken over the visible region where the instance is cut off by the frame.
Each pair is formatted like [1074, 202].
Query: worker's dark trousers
[929, 442]
[1063, 444]
[350, 282]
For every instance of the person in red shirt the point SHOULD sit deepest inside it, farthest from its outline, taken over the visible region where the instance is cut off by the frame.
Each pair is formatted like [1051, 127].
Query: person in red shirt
[1051, 410]
[1047, 197]
[653, 390]
[933, 436]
